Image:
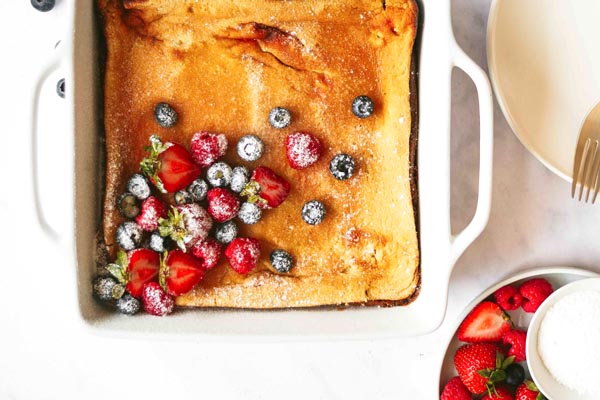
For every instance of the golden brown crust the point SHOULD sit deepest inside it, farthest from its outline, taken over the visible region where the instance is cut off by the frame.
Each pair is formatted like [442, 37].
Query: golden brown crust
[223, 65]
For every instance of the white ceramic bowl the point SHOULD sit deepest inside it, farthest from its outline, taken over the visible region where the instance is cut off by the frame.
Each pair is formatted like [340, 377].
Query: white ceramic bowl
[544, 64]
[544, 380]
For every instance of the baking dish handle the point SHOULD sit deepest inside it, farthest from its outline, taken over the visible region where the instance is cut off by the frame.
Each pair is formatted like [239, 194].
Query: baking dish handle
[486, 152]
[51, 66]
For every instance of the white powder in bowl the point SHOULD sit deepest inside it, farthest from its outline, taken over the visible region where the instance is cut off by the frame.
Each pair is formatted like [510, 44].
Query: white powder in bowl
[569, 341]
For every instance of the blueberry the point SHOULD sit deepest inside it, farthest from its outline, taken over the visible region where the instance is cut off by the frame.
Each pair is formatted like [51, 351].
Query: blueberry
[226, 232]
[515, 375]
[250, 148]
[128, 205]
[158, 243]
[103, 287]
[282, 261]
[182, 197]
[198, 190]
[128, 304]
[43, 5]
[342, 167]
[239, 179]
[219, 174]
[280, 118]
[139, 186]
[313, 212]
[165, 115]
[363, 106]
[249, 213]
[60, 87]
[129, 235]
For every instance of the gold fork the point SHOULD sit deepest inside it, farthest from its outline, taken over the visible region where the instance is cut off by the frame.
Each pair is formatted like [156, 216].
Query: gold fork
[586, 166]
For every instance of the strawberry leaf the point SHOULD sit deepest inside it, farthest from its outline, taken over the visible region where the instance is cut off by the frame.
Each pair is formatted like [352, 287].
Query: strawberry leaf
[150, 165]
[252, 191]
[508, 361]
[174, 227]
[118, 269]
[163, 271]
[117, 291]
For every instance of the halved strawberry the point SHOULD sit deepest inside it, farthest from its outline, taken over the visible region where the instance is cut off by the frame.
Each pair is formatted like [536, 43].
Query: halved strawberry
[142, 267]
[169, 166]
[266, 188]
[180, 272]
[486, 323]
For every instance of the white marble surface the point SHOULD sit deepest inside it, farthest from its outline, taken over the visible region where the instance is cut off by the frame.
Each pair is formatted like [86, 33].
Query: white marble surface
[44, 354]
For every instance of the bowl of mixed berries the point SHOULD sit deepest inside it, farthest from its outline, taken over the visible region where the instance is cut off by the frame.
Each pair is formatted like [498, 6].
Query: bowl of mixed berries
[486, 357]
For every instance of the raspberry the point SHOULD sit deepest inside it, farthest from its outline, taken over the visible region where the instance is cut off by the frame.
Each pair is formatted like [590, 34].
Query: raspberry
[222, 204]
[209, 252]
[508, 298]
[500, 394]
[534, 292]
[243, 253]
[516, 340]
[455, 390]
[302, 150]
[152, 210]
[208, 147]
[156, 301]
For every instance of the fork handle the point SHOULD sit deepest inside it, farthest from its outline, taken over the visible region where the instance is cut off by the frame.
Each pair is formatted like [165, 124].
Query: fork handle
[486, 152]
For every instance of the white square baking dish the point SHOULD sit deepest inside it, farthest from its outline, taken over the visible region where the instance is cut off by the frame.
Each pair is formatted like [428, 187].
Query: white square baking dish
[78, 57]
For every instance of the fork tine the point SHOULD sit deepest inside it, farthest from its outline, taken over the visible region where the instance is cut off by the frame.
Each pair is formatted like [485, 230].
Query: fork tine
[585, 166]
[579, 169]
[593, 172]
[597, 183]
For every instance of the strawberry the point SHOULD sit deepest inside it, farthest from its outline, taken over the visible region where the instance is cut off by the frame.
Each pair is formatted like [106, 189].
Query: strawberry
[480, 366]
[486, 323]
[135, 269]
[222, 204]
[156, 301]
[186, 224]
[534, 292]
[501, 393]
[508, 298]
[455, 390]
[207, 148]
[528, 391]
[152, 210]
[243, 254]
[169, 166]
[516, 340]
[266, 188]
[209, 252]
[179, 273]
[302, 149]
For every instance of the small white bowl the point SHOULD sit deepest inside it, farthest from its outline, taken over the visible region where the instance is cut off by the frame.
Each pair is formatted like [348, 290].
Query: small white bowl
[544, 380]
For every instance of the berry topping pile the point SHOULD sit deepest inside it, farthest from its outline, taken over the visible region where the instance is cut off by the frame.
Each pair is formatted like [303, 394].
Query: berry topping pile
[492, 362]
[183, 207]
